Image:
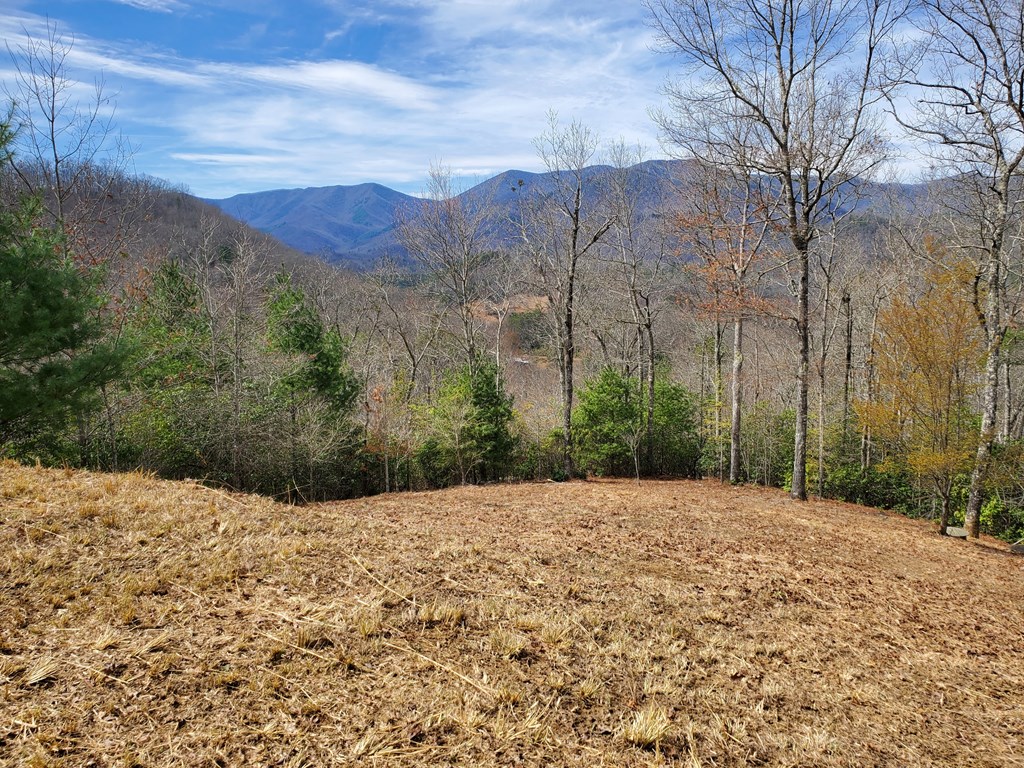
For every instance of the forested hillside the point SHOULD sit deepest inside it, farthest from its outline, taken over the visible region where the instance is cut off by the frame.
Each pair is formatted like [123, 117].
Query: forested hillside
[353, 225]
[760, 311]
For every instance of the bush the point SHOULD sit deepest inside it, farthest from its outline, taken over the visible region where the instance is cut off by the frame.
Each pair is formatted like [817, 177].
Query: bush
[676, 447]
[466, 433]
[1003, 519]
[879, 486]
[610, 423]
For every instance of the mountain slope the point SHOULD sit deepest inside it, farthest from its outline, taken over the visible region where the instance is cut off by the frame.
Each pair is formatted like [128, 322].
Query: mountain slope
[357, 223]
[163, 623]
[177, 222]
[353, 222]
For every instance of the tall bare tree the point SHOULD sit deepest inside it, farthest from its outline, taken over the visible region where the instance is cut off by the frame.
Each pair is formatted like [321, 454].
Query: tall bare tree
[732, 233]
[638, 247]
[448, 235]
[787, 89]
[562, 223]
[970, 107]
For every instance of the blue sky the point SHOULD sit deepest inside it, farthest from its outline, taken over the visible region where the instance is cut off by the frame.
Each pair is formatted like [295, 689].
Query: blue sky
[229, 96]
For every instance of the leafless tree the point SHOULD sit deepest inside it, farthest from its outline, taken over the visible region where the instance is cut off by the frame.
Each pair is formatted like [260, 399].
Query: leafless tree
[731, 230]
[403, 325]
[788, 90]
[562, 223]
[449, 235]
[68, 152]
[640, 252]
[505, 282]
[968, 85]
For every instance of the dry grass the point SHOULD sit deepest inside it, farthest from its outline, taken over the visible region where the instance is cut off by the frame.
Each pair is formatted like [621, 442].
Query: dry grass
[647, 728]
[598, 624]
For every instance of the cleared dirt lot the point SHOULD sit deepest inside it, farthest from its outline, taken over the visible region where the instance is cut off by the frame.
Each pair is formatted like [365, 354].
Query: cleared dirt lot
[602, 624]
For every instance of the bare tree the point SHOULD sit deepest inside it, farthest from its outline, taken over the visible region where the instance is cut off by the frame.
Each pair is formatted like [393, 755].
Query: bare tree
[731, 231]
[68, 153]
[970, 107]
[562, 223]
[448, 235]
[505, 281]
[401, 323]
[639, 249]
[834, 263]
[787, 90]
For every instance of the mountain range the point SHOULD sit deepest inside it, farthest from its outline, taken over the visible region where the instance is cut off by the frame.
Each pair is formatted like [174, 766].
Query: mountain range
[355, 225]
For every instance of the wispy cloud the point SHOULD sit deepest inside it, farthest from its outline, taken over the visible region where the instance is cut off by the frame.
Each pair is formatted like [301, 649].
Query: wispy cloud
[469, 84]
[159, 6]
[332, 79]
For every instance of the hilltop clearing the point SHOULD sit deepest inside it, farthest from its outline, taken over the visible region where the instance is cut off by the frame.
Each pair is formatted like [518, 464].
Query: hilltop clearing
[601, 624]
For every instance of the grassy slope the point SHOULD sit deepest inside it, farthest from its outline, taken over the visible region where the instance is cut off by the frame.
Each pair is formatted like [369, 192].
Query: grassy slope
[146, 622]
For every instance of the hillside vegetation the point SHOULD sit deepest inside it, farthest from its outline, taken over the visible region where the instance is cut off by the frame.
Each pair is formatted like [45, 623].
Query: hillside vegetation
[148, 622]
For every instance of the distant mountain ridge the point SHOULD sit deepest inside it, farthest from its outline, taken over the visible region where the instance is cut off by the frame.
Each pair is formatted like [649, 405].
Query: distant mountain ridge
[355, 225]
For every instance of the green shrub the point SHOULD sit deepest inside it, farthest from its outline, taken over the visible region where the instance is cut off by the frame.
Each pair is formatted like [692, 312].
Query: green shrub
[879, 486]
[1003, 519]
[610, 425]
[466, 433]
[676, 446]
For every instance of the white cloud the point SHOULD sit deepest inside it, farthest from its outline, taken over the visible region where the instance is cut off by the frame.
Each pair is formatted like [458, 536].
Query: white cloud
[155, 69]
[331, 78]
[472, 92]
[159, 6]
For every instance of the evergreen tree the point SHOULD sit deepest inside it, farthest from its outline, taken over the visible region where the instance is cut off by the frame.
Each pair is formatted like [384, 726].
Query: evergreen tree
[52, 356]
[295, 329]
[491, 424]
[467, 430]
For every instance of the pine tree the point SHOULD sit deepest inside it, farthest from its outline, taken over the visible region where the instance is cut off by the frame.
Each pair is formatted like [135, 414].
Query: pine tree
[52, 356]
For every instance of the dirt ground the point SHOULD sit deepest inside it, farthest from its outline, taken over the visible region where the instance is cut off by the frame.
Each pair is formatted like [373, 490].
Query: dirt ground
[590, 624]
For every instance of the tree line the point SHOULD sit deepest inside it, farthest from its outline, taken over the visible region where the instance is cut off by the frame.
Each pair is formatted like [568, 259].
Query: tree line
[772, 317]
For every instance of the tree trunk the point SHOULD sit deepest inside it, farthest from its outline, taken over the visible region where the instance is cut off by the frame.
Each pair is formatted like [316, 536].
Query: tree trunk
[821, 429]
[719, 398]
[847, 372]
[651, 361]
[737, 400]
[799, 483]
[972, 515]
[1006, 400]
[568, 354]
[994, 332]
[869, 387]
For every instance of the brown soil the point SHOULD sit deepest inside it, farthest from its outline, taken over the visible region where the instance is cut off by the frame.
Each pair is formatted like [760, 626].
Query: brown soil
[595, 624]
